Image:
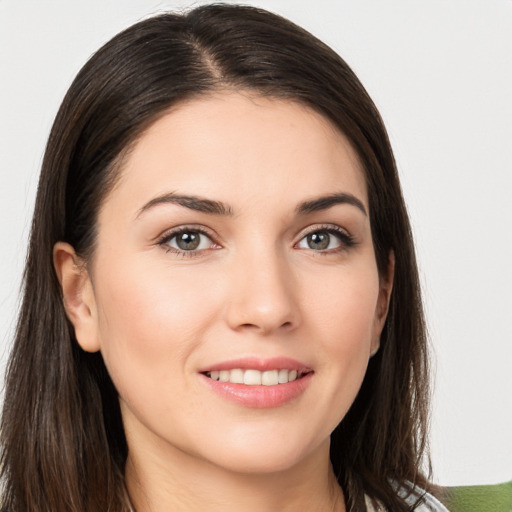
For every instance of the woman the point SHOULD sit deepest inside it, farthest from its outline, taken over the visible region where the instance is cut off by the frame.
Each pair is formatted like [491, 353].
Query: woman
[221, 304]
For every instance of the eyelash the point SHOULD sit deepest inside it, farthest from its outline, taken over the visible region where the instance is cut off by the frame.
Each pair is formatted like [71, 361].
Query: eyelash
[167, 237]
[347, 241]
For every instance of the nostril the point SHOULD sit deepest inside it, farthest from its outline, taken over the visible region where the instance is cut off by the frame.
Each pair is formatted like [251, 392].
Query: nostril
[265, 328]
[250, 326]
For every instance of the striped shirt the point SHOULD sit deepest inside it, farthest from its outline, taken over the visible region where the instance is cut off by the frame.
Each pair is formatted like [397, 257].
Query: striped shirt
[428, 504]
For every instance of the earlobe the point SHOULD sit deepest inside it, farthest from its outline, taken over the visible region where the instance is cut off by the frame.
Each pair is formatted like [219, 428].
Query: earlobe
[375, 347]
[77, 295]
[385, 289]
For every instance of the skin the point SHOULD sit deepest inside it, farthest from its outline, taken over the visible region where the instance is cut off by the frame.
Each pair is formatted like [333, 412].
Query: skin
[255, 287]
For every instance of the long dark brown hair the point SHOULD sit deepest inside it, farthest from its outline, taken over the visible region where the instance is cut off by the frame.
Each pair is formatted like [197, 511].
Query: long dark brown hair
[63, 445]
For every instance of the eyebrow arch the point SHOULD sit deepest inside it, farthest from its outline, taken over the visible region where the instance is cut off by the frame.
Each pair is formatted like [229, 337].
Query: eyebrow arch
[325, 202]
[199, 204]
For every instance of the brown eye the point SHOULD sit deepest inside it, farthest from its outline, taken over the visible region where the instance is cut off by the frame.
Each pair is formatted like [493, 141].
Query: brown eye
[319, 241]
[326, 240]
[188, 240]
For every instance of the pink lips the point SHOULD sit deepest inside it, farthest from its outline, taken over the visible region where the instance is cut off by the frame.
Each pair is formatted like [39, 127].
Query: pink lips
[253, 363]
[259, 396]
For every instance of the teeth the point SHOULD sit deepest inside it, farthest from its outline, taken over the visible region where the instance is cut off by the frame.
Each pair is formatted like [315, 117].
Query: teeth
[283, 376]
[252, 377]
[255, 377]
[270, 378]
[236, 376]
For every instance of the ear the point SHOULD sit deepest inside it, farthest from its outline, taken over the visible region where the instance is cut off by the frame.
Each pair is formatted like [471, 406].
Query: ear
[77, 295]
[381, 313]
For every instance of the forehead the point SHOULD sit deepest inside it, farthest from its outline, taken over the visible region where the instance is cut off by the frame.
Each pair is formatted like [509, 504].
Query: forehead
[233, 145]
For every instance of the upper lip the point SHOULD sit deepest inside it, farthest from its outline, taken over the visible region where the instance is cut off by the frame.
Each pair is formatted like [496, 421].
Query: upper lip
[254, 363]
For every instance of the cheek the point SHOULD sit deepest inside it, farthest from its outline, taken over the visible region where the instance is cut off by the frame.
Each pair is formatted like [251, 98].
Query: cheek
[344, 308]
[343, 320]
[149, 322]
[148, 299]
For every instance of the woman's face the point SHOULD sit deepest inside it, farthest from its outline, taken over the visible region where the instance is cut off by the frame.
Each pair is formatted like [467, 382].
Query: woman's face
[235, 246]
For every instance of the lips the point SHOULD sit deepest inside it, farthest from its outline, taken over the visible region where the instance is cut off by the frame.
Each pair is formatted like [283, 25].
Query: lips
[258, 383]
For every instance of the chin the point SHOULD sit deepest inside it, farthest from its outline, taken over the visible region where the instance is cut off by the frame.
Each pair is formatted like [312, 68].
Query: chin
[266, 457]
[259, 465]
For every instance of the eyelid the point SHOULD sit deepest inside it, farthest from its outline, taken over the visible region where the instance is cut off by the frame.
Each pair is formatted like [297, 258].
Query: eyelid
[323, 227]
[163, 239]
[346, 239]
[200, 228]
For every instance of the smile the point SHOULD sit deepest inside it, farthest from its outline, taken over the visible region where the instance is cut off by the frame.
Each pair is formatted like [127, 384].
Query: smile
[252, 377]
[258, 383]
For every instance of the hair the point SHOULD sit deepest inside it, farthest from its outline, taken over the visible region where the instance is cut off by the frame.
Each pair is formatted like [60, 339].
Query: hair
[63, 444]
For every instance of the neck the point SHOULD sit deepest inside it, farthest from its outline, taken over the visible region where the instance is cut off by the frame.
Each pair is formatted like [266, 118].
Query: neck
[182, 483]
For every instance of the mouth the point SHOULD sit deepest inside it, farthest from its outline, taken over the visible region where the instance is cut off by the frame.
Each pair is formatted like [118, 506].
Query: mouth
[258, 383]
[253, 377]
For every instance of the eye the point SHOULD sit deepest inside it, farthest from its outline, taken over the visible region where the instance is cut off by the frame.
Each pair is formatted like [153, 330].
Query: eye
[187, 240]
[326, 239]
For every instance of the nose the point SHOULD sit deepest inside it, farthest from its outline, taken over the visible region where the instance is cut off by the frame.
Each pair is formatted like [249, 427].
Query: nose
[263, 295]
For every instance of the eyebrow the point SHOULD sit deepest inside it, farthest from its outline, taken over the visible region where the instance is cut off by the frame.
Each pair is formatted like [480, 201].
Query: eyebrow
[198, 204]
[209, 206]
[325, 202]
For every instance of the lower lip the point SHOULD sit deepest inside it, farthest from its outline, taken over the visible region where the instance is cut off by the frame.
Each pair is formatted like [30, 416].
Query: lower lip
[260, 397]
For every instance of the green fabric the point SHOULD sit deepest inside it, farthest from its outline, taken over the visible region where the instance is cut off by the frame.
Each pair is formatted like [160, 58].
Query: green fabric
[479, 498]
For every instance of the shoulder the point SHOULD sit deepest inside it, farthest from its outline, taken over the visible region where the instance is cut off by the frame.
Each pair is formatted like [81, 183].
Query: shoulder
[427, 502]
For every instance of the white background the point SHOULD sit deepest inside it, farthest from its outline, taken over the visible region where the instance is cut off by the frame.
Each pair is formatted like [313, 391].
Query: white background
[440, 72]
